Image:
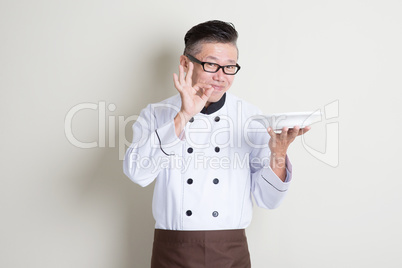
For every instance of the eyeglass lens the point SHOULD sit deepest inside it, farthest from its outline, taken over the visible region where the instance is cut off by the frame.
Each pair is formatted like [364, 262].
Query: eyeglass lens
[213, 67]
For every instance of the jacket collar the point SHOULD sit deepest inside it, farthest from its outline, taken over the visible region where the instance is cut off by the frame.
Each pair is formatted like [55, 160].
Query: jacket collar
[214, 106]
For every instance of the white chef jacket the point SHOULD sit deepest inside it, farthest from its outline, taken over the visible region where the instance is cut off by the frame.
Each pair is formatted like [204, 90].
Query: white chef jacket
[205, 177]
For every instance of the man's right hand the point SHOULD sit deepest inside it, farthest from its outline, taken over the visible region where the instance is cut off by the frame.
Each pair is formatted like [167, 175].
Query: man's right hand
[193, 97]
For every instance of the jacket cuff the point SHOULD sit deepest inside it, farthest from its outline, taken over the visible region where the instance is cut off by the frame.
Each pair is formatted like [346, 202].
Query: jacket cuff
[270, 177]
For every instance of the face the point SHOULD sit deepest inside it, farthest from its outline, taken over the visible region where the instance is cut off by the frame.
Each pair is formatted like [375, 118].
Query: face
[222, 54]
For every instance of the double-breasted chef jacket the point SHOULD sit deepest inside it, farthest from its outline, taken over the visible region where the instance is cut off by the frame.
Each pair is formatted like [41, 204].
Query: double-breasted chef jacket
[205, 178]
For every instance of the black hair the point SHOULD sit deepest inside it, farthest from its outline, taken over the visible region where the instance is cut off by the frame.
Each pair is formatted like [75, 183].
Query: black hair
[213, 31]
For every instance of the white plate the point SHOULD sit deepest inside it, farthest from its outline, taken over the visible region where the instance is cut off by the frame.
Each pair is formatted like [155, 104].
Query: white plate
[290, 120]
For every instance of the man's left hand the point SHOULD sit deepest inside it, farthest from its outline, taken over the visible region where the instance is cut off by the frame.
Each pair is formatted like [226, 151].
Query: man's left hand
[279, 144]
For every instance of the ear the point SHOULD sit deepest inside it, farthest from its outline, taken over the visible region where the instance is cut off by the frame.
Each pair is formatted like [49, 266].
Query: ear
[184, 62]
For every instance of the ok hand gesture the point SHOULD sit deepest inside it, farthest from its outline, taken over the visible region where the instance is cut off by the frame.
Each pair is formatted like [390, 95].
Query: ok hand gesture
[193, 97]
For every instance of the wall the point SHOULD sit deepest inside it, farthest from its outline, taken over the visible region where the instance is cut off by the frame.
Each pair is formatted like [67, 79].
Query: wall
[65, 206]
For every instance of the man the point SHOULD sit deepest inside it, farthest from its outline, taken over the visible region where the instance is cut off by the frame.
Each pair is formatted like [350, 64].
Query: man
[208, 157]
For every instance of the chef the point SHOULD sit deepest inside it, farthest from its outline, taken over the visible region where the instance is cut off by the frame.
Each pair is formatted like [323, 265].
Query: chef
[209, 156]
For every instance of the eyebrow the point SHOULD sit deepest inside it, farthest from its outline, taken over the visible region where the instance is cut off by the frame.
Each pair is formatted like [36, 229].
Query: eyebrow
[216, 59]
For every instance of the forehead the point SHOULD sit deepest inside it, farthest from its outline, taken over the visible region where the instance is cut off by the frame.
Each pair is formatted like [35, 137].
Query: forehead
[222, 52]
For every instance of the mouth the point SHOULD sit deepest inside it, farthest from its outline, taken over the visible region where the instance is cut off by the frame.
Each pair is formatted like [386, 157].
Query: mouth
[218, 88]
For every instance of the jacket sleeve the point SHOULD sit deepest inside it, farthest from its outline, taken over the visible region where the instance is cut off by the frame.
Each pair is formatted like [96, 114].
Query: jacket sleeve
[267, 188]
[154, 146]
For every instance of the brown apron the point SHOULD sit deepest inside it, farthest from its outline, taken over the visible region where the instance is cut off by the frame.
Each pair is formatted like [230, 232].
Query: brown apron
[200, 249]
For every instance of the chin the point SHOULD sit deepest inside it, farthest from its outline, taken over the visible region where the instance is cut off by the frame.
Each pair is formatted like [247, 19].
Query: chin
[216, 96]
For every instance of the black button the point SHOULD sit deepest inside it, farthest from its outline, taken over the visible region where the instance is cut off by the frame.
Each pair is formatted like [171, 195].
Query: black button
[191, 120]
[217, 119]
[189, 213]
[217, 149]
[216, 181]
[190, 181]
[215, 214]
[190, 150]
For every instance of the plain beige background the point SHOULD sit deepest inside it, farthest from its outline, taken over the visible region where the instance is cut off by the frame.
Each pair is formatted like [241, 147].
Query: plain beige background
[65, 206]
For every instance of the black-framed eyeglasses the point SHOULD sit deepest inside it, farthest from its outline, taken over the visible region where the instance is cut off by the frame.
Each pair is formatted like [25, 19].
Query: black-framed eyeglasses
[211, 67]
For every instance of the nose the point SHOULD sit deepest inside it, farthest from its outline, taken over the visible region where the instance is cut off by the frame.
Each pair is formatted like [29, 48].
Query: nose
[219, 75]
